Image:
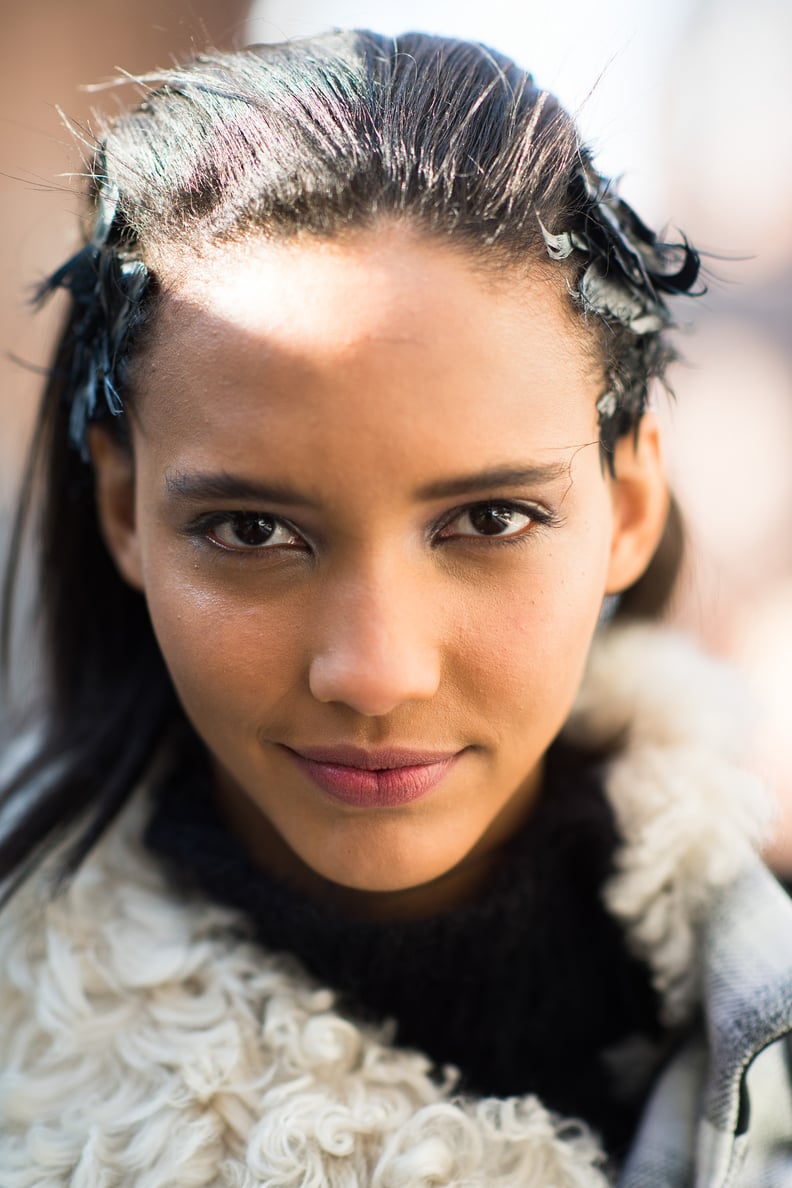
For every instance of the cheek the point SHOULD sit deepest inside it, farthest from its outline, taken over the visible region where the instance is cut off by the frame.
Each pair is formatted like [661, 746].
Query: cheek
[229, 660]
[524, 650]
[528, 651]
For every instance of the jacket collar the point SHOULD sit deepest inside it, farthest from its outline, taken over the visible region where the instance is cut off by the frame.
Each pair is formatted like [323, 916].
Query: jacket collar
[689, 814]
[695, 901]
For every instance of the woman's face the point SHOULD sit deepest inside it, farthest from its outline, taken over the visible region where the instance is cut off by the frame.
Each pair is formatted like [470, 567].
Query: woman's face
[369, 516]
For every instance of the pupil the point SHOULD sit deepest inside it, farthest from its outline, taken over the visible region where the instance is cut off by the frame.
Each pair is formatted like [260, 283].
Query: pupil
[253, 530]
[491, 520]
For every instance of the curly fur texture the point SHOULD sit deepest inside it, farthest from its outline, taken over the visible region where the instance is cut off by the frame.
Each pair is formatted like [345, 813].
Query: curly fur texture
[146, 1042]
[688, 813]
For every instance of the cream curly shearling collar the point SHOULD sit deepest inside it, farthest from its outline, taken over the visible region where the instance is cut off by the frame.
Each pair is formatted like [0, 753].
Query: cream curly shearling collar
[146, 1042]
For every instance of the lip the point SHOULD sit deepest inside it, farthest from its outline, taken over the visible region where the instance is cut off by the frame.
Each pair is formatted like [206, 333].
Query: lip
[383, 778]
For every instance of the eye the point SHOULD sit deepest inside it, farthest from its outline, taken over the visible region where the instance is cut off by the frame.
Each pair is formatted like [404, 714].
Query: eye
[493, 520]
[248, 531]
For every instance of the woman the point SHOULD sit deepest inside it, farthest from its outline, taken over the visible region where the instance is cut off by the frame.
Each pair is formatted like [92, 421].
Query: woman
[357, 879]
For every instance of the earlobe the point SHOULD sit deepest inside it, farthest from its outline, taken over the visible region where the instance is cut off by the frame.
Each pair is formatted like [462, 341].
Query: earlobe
[114, 475]
[640, 504]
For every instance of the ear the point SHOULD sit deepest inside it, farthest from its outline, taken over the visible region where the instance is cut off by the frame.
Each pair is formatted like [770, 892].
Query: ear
[114, 474]
[640, 504]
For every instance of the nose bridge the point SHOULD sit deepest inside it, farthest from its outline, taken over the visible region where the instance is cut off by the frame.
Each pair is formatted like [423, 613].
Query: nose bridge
[375, 647]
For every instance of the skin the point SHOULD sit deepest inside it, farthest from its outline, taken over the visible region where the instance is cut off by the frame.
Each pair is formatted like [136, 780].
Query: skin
[359, 372]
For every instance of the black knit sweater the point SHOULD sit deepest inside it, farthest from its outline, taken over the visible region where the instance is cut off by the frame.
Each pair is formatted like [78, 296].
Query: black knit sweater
[530, 989]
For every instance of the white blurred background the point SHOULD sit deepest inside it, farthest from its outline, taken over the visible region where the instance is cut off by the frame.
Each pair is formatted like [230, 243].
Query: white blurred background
[689, 100]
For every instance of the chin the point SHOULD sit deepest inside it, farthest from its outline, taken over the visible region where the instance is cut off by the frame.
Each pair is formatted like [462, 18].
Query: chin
[385, 882]
[385, 876]
[415, 874]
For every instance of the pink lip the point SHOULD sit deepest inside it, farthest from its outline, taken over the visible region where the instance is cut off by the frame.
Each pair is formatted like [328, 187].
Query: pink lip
[385, 778]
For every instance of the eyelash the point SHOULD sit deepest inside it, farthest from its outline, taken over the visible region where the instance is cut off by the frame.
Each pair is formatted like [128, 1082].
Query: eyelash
[538, 517]
[203, 526]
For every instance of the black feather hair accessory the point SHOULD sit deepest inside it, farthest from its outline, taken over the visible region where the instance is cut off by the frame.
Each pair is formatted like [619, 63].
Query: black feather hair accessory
[107, 292]
[629, 268]
[624, 282]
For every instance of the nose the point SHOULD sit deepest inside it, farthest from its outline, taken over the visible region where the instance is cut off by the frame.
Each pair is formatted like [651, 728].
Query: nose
[376, 649]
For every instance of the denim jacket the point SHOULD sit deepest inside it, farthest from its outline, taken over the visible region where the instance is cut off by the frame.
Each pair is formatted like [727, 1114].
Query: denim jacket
[721, 1114]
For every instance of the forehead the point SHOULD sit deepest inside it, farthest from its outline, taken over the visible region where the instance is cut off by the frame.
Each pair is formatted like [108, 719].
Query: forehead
[373, 332]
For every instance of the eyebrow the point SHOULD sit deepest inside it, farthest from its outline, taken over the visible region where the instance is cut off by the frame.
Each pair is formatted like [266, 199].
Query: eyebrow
[203, 486]
[498, 476]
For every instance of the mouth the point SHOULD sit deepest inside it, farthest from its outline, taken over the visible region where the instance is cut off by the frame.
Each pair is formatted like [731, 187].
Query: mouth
[384, 778]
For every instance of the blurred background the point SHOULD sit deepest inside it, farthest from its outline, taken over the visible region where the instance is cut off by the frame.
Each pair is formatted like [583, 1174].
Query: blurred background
[689, 100]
